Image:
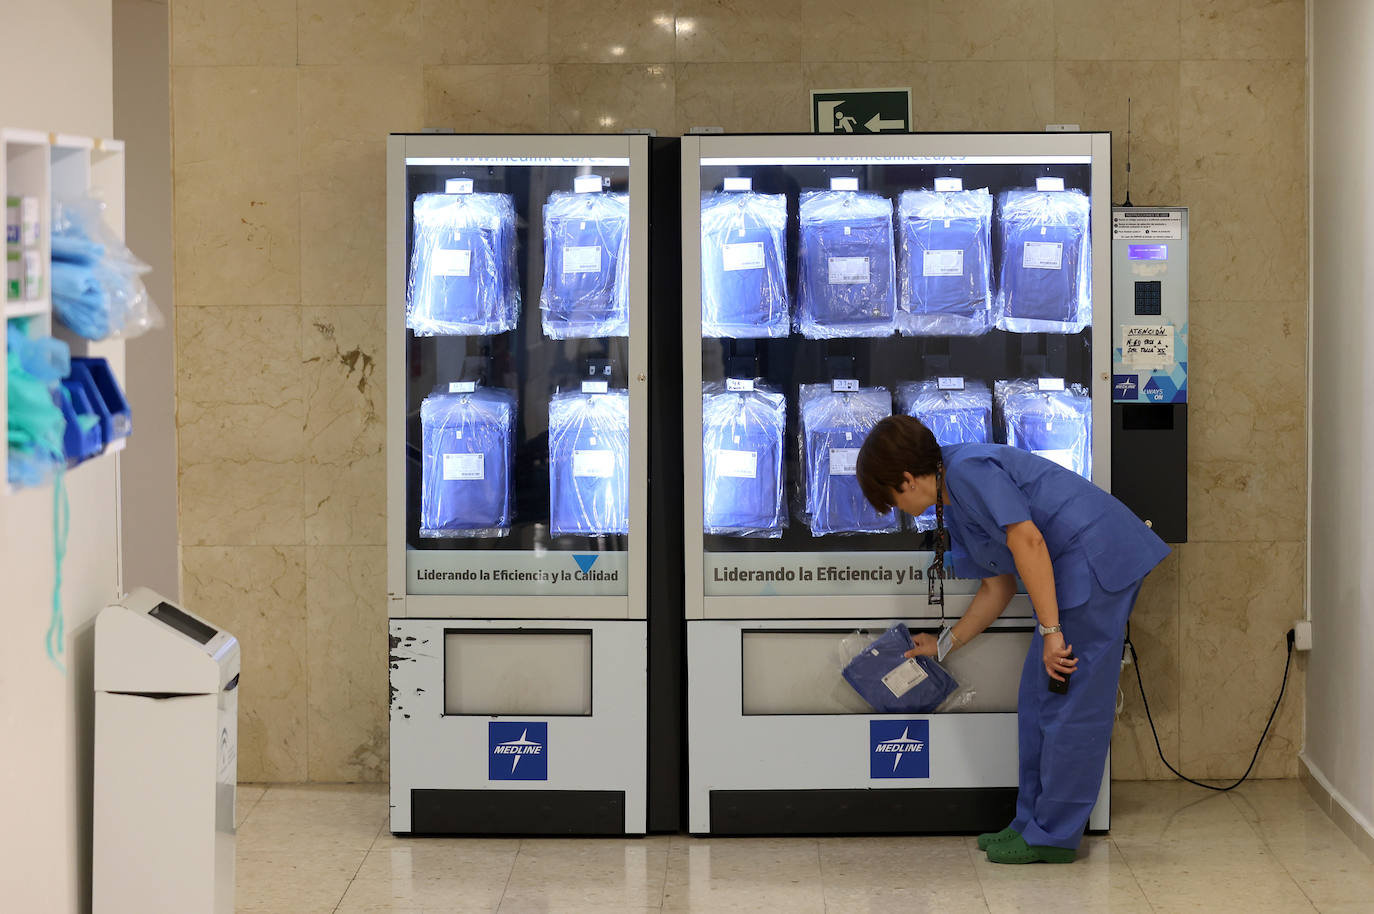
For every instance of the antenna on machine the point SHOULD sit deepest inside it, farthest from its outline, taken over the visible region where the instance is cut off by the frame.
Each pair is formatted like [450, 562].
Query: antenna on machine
[1128, 153]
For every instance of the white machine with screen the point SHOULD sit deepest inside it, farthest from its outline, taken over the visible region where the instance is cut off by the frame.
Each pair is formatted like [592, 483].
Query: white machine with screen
[166, 759]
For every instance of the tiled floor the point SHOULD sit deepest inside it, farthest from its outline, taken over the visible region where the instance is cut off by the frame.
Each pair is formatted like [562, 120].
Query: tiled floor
[1265, 847]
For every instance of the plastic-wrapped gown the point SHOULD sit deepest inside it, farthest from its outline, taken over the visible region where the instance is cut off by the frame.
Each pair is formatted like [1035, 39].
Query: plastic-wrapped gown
[463, 279]
[945, 263]
[589, 463]
[1054, 424]
[893, 684]
[586, 290]
[744, 265]
[953, 417]
[833, 427]
[742, 451]
[847, 266]
[1046, 277]
[466, 472]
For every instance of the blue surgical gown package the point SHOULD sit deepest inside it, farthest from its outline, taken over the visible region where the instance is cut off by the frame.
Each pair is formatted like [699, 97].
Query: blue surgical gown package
[847, 265]
[945, 263]
[1054, 424]
[895, 684]
[744, 265]
[742, 453]
[589, 463]
[466, 473]
[953, 417]
[833, 427]
[586, 265]
[1046, 277]
[463, 279]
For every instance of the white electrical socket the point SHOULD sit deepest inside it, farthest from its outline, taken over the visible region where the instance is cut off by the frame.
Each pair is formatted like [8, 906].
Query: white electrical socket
[1302, 635]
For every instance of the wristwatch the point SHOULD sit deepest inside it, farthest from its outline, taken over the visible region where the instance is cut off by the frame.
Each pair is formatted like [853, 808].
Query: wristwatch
[1049, 629]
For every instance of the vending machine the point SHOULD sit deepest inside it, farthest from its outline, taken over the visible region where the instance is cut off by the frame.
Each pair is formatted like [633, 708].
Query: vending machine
[829, 281]
[517, 323]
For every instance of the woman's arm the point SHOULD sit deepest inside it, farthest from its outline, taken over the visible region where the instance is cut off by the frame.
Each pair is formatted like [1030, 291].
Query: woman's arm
[1032, 558]
[988, 603]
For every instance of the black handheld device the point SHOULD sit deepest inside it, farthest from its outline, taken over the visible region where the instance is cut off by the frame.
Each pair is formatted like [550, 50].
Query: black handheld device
[1060, 687]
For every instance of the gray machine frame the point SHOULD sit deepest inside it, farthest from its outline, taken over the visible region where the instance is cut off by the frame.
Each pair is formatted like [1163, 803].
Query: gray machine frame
[729, 751]
[427, 747]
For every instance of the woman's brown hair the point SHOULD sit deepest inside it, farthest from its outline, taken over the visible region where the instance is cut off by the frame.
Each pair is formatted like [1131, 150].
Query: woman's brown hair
[897, 445]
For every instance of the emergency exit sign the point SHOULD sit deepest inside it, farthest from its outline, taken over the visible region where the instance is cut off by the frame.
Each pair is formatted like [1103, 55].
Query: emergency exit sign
[861, 110]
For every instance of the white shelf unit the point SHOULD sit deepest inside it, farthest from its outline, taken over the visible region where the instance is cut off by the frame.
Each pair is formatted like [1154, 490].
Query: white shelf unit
[48, 165]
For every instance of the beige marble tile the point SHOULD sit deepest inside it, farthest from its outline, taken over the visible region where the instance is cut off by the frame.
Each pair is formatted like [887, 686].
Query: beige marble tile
[990, 95]
[1127, 30]
[990, 30]
[1289, 821]
[1231, 879]
[743, 874]
[236, 185]
[252, 33]
[875, 30]
[1175, 815]
[611, 31]
[1236, 602]
[742, 97]
[1092, 94]
[359, 31]
[315, 823]
[1244, 29]
[299, 886]
[258, 593]
[587, 873]
[739, 30]
[488, 99]
[240, 426]
[1242, 169]
[1154, 631]
[245, 798]
[346, 608]
[865, 874]
[610, 98]
[479, 31]
[1247, 477]
[1100, 880]
[344, 357]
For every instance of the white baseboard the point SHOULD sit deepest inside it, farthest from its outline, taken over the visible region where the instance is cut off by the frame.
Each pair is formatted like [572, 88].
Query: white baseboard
[1350, 821]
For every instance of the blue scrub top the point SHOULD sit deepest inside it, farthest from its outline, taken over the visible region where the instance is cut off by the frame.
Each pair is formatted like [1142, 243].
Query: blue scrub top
[1087, 531]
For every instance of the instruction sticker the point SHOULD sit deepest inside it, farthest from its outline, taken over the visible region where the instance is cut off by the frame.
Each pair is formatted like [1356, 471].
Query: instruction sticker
[582, 259]
[848, 271]
[905, 677]
[1043, 255]
[1140, 225]
[450, 262]
[843, 461]
[465, 466]
[737, 464]
[1149, 347]
[744, 256]
[593, 464]
[943, 263]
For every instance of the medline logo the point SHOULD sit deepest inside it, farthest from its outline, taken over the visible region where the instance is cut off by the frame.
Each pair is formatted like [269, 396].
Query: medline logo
[899, 748]
[1125, 386]
[518, 751]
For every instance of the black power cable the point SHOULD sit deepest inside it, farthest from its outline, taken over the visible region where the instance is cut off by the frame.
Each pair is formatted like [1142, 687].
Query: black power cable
[1135, 658]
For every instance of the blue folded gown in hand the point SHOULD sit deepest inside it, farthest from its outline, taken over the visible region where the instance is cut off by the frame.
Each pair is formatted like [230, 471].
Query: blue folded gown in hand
[894, 684]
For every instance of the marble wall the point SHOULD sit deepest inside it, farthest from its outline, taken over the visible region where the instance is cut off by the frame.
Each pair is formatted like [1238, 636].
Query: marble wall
[280, 111]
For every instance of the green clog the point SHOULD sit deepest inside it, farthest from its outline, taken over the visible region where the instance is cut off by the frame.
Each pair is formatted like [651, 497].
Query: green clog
[997, 837]
[1016, 850]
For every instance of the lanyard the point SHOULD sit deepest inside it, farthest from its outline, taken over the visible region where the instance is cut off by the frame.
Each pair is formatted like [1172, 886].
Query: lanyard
[935, 576]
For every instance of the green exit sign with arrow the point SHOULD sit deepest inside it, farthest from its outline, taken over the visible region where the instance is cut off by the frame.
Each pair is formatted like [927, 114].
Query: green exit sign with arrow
[861, 110]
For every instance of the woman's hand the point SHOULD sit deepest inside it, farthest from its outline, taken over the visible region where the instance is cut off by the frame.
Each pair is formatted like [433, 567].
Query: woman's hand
[926, 646]
[1057, 661]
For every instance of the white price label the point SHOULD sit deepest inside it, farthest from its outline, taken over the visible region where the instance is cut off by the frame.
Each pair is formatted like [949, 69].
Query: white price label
[844, 183]
[905, 677]
[595, 387]
[458, 186]
[739, 385]
[747, 255]
[943, 263]
[1051, 383]
[449, 262]
[465, 466]
[1043, 255]
[1062, 456]
[735, 184]
[949, 383]
[587, 184]
[462, 387]
[845, 385]
[843, 461]
[737, 464]
[945, 185]
[593, 464]
[582, 259]
[1049, 183]
[848, 271]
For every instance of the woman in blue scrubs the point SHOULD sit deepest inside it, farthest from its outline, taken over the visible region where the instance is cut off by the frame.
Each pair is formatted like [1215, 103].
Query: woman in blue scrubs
[1082, 556]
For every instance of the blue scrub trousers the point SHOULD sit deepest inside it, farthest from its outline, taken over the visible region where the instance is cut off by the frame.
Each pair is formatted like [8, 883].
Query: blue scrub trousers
[1063, 740]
